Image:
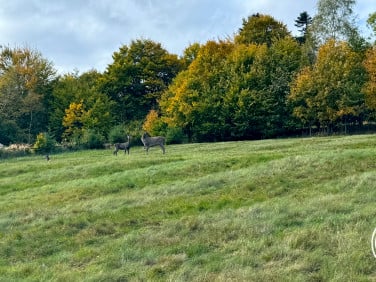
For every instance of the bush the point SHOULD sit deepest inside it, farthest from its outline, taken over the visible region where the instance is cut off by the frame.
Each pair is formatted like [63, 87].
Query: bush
[117, 134]
[153, 124]
[92, 140]
[8, 132]
[44, 144]
[175, 135]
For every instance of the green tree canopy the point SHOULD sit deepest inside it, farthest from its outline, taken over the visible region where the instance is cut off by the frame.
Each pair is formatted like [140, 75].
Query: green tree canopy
[195, 98]
[261, 29]
[331, 90]
[233, 91]
[260, 86]
[371, 22]
[74, 89]
[137, 77]
[190, 53]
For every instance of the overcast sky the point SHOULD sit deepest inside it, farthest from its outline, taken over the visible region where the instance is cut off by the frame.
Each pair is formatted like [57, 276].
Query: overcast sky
[83, 34]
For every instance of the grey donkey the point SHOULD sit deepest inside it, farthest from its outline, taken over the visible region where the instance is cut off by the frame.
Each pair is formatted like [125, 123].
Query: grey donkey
[123, 146]
[149, 141]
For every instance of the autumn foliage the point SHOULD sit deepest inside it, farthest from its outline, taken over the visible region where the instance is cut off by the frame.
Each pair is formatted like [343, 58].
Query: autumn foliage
[330, 91]
[370, 86]
[260, 83]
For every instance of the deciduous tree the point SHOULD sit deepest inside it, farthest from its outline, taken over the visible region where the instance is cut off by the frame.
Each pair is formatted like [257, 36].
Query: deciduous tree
[334, 20]
[74, 89]
[371, 22]
[261, 29]
[73, 121]
[26, 80]
[260, 86]
[194, 101]
[137, 77]
[233, 91]
[370, 86]
[329, 92]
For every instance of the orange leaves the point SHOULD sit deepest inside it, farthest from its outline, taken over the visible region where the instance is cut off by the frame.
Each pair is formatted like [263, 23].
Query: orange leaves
[151, 120]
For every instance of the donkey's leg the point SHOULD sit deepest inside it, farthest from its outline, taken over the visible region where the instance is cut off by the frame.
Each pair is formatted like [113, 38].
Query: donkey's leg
[162, 147]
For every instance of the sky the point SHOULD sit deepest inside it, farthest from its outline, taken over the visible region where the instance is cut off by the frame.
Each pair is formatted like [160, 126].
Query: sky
[81, 35]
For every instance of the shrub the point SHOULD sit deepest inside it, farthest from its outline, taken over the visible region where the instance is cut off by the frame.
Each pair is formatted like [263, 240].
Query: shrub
[44, 144]
[153, 124]
[92, 140]
[9, 131]
[175, 135]
[117, 134]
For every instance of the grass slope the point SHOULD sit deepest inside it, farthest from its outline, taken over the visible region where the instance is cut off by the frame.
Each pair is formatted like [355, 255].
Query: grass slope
[273, 210]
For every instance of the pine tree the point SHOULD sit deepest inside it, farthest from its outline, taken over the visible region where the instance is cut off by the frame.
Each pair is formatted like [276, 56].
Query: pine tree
[302, 22]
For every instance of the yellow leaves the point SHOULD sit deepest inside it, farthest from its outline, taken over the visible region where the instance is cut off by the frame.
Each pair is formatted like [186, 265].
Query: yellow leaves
[331, 88]
[154, 124]
[370, 63]
[29, 65]
[73, 118]
[73, 113]
[151, 119]
[370, 87]
[210, 56]
[302, 81]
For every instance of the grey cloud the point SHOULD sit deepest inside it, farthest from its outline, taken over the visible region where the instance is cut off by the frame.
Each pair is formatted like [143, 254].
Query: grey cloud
[78, 34]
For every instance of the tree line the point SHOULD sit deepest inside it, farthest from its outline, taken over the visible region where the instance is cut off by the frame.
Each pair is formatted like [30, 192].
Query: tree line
[261, 83]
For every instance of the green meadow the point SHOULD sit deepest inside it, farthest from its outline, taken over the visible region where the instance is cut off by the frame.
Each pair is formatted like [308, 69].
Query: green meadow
[299, 209]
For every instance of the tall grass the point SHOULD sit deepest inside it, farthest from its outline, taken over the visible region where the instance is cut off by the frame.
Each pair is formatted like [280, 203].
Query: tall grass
[272, 210]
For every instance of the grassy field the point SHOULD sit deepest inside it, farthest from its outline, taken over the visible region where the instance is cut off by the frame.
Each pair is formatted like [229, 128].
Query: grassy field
[272, 210]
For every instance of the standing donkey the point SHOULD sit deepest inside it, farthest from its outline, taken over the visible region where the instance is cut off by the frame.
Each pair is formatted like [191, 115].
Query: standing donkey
[123, 146]
[149, 141]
